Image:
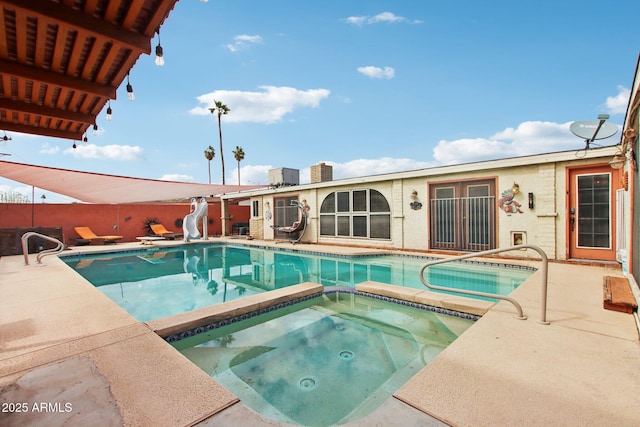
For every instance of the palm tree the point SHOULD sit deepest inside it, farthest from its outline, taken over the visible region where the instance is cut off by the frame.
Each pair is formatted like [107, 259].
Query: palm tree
[238, 153]
[209, 154]
[220, 109]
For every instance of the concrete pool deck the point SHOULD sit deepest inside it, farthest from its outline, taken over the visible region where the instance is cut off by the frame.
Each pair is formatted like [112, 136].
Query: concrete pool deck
[70, 356]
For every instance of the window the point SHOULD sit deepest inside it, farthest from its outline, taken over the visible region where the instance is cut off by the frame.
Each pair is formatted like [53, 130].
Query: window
[356, 213]
[594, 212]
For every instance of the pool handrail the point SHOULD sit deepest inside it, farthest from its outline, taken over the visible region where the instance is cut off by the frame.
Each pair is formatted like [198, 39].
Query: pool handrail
[25, 247]
[521, 316]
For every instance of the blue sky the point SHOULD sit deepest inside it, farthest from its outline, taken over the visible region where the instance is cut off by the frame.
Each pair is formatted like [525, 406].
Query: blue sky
[366, 86]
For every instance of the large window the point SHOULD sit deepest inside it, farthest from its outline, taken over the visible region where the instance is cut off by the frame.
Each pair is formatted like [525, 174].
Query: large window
[356, 213]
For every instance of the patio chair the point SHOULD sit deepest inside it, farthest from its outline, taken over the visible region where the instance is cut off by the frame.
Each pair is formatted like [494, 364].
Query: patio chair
[160, 230]
[295, 230]
[87, 234]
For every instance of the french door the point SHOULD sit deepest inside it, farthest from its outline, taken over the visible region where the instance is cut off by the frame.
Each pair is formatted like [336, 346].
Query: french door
[463, 215]
[284, 214]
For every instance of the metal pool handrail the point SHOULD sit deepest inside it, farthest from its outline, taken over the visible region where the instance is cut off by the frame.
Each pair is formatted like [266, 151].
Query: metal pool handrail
[41, 254]
[545, 273]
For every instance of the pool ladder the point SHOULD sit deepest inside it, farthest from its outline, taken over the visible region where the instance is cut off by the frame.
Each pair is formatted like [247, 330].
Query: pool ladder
[545, 274]
[25, 247]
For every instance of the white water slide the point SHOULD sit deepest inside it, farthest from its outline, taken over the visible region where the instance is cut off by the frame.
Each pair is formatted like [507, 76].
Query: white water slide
[199, 210]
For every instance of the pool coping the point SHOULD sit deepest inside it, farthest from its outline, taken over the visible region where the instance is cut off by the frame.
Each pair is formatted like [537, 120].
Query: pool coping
[189, 320]
[552, 366]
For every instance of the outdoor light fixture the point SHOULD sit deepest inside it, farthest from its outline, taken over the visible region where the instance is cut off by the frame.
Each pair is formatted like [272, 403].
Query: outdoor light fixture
[95, 128]
[85, 139]
[74, 145]
[159, 53]
[109, 111]
[130, 90]
[617, 162]
[530, 198]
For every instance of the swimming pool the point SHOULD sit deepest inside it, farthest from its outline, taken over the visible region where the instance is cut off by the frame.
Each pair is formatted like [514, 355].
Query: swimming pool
[324, 361]
[158, 282]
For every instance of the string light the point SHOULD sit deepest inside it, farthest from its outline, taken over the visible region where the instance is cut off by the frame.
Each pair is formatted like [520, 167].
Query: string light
[130, 93]
[159, 53]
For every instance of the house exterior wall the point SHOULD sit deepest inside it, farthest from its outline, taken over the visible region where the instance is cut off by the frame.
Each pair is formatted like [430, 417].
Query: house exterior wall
[545, 224]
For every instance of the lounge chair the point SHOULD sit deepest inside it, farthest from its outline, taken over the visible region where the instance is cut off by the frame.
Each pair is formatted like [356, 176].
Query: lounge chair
[87, 234]
[161, 231]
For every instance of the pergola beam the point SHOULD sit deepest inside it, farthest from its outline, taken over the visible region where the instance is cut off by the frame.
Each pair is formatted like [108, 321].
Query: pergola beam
[38, 75]
[44, 131]
[65, 15]
[41, 110]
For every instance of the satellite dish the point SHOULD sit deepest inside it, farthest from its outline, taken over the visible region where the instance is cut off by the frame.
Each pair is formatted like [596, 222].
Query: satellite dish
[586, 129]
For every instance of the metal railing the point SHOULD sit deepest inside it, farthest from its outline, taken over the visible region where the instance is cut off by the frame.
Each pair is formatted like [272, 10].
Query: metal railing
[25, 247]
[545, 273]
[463, 223]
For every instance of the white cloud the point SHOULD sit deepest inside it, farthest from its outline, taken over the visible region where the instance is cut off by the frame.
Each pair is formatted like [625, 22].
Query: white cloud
[618, 104]
[365, 167]
[243, 42]
[107, 152]
[259, 175]
[388, 17]
[268, 106]
[176, 177]
[377, 72]
[355, 20]
[533, 137]
[48, 149]
[250, 175]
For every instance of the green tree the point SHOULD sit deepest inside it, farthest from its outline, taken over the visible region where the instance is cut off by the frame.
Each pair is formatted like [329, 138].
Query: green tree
[209, 154]
[238, 154]
[220, 109]
[13, 197]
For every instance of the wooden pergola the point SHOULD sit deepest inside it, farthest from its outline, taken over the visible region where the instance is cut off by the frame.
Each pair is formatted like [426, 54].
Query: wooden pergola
[61, 61]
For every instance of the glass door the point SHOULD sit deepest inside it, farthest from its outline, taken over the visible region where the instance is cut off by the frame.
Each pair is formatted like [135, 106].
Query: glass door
[591, 224]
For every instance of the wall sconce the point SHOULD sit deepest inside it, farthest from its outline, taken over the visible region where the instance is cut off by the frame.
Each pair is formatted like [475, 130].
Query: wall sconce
[159, 53]
[618, 161]
[130, 93]
[530, 197]
[414, 195]
[109, 112]
[127, 218]
[515, 189]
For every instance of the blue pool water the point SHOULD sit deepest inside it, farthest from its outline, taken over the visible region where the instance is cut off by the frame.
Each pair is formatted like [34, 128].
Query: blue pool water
[326, 361]
[158, 282]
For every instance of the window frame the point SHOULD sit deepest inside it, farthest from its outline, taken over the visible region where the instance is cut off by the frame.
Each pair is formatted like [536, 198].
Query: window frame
[337, 221]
